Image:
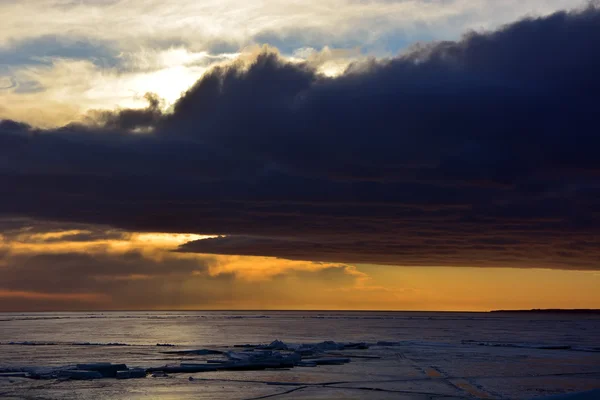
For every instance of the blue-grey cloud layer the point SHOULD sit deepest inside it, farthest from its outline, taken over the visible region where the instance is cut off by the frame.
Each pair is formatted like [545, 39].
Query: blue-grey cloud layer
[43, 49]
[480, 152]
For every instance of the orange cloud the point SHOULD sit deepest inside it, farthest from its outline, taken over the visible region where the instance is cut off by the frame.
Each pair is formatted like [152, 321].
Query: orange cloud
[262, 268]
[153, 245]
[98, 269]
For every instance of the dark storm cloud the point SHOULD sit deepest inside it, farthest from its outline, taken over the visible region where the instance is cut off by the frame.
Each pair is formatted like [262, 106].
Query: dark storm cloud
[131, 119]
[427, 249]
[480, 152]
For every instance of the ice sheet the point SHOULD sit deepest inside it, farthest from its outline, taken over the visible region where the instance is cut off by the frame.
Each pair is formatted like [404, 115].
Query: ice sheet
[435, 356]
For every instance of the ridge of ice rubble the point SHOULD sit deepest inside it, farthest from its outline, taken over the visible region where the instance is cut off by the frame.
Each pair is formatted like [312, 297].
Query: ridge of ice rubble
[307, 347]
[78, 372]
[276, 355]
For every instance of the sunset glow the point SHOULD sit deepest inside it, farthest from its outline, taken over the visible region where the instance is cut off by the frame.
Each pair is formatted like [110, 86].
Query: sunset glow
[389, 155]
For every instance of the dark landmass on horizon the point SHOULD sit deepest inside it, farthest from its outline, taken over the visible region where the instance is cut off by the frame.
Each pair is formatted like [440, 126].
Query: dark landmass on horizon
[552, 311]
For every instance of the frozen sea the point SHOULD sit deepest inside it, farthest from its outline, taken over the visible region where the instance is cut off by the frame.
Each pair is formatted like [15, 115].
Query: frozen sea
[419, 356]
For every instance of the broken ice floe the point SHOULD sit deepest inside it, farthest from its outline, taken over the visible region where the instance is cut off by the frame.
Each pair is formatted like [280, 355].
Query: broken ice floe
[79, 375]
[107, 370]
[275, 355]
[133, 373]
[13, 375]
[78, 372]
[236, 361]
[307, 348]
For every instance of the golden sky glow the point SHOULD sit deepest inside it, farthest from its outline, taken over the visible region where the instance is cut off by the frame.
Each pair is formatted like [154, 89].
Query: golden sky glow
[267, 283]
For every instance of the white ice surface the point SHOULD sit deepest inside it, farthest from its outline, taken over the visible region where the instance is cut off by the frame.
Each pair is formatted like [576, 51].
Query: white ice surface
[424, 357]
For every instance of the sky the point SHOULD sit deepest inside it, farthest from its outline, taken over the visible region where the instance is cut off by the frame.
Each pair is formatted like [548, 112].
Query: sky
[339, 154]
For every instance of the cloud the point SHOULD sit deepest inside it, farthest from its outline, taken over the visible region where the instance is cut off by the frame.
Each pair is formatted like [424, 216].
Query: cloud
[480, 152]
[113, 52]
[427, 249]
[63, 90]
[214, 22]
[43, 267]
[42, 49]
[265, 268]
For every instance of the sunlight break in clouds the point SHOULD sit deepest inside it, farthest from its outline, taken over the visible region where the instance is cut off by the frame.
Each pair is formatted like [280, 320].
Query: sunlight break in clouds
[73, 87]
[61, 59]
[95, 268]
[117, 242]
[159, 247]
[113, 269]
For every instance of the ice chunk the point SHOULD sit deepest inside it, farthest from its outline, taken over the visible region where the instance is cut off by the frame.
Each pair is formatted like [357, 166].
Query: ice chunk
[329, 361]
[307, 351]
[263, 356]
[183, 368]
[244, 356]
[275, 345]
[13, 374]
[360, 345]
[244, 361]
[328, 345]
[137, 373]
[107, 370]
[76, 374]
[134, 373]
[306, 364]
[390, 344]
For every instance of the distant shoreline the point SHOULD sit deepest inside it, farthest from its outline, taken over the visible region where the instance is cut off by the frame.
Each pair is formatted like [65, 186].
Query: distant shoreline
[529, 311]
[552, 311]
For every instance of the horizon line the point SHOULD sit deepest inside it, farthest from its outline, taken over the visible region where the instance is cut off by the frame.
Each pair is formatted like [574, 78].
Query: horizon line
[313, 310]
